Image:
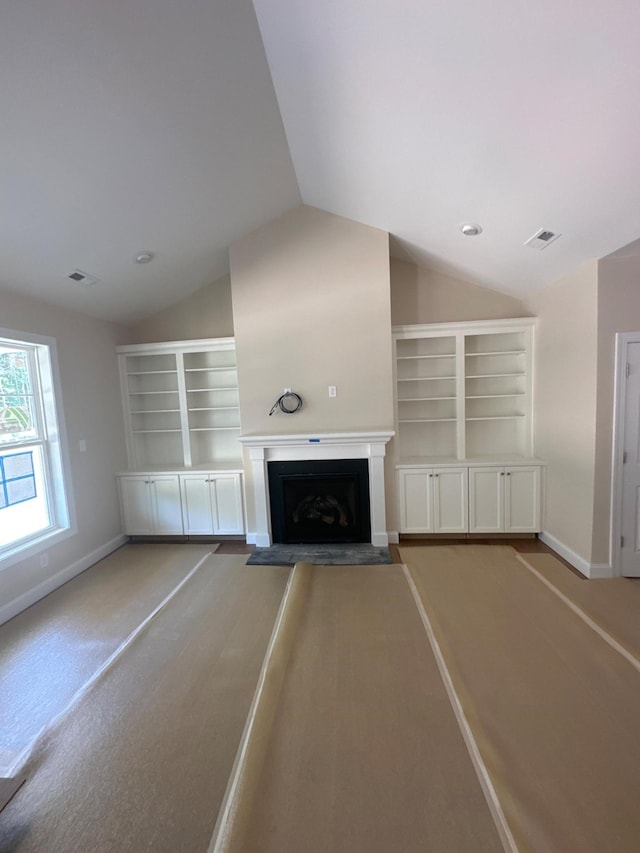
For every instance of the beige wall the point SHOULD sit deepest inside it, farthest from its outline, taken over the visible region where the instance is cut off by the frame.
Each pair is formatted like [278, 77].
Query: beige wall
[311, 309]
[618, 311]
[93, 411]
[421, 295]
[565, 405]
[204, 314]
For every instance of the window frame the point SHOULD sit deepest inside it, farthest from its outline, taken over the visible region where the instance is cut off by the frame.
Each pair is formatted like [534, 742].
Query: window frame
[51, 437]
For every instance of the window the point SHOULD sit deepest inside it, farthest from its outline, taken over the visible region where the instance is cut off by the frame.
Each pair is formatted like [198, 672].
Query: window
[33, 504]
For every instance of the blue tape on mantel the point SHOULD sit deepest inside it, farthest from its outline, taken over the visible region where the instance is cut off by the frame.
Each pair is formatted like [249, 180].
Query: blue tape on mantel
[314, 441]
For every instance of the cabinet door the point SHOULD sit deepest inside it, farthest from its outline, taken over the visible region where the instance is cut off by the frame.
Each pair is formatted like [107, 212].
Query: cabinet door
[450, 500]
[416, 501]
[486, 500]
[137, 511]
[197, 513]
[226, 499]
[522, 499]
[167, 509]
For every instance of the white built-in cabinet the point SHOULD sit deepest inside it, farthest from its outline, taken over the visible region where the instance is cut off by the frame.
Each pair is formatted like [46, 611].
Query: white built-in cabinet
[433, 500]
[211, 503]
[464, 396]
[504, 499]
[151, 504]
[182, 423]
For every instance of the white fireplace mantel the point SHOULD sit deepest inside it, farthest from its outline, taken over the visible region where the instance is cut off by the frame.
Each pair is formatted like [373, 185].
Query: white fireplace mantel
[337, 445]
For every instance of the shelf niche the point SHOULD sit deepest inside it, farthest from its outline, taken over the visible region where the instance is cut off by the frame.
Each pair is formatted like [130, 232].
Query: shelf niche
[181, 404]
[464, 391]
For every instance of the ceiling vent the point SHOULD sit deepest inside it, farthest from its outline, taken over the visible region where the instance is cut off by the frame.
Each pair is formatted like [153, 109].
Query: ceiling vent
[541, 239]
[82, 279]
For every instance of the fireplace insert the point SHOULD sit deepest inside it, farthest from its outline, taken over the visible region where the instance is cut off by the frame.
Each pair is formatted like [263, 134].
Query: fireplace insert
[320, 501]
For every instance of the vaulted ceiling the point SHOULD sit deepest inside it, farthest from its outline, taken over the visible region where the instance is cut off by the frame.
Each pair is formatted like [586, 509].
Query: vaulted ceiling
[176, 127]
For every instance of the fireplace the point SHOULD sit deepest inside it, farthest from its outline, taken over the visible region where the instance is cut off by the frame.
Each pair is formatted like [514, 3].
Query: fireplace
[313, 501]
[265, 449]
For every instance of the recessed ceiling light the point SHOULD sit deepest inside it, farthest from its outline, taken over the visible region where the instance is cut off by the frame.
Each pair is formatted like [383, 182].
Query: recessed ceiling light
[144, 257]
[470, 229]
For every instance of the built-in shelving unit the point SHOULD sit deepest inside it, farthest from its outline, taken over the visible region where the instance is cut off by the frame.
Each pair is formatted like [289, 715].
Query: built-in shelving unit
[181, 404]
[426, 393]
[464, 435]
[182, 419]
[463, 391]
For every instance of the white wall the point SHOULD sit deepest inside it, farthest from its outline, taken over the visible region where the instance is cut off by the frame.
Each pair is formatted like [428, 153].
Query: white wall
[92, 411]
[565, 408]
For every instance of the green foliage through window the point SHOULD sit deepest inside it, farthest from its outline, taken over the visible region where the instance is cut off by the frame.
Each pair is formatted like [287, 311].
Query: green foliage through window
[15, 391]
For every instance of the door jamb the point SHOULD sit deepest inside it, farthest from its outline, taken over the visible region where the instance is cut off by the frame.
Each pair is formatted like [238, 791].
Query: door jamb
[622, 340]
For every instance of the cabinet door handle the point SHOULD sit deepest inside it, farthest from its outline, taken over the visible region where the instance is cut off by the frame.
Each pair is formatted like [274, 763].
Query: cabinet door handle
[508, 473]
[502, 473]
[436, 475]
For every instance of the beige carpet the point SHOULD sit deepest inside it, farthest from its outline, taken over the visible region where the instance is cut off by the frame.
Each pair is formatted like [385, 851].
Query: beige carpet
[612, 603]
[364, 754]
[554, 709]
[143, 761]
[356, 748]
[48, 652]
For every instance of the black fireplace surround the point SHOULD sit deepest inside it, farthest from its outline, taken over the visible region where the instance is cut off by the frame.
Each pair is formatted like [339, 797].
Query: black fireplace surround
[317, 501]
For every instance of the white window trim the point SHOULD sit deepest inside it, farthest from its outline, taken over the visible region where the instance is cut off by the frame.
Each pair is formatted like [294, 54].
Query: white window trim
[59, 467]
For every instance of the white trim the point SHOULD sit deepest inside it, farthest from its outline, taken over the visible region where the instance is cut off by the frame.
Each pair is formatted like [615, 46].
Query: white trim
[26, 599]
[56, 459]
[183, 346]
[622, 340]
[491, 796]
[314, 439]
[41, 541]
[566, 553]
[474, 326]
[589, 570]
[393, 536]
[309, 446]
[604, 635]
[601, 571]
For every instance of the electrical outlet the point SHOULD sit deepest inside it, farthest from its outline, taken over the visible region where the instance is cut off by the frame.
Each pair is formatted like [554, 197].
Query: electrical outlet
[44, 560]
[287, 390]
[82, 445]
[332, 390]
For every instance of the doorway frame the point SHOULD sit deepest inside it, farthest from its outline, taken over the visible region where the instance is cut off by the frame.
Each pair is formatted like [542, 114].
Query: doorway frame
[622, 341]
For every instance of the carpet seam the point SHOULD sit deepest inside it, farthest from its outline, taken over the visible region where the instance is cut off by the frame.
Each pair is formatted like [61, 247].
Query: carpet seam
[581, 614]
[23, 756]
[222, 836]
[484, 778]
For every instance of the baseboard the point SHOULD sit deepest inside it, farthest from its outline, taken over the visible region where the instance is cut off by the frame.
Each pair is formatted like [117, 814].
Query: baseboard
[31, 596]
[251, 537]
[601, 570]
[589, 570]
